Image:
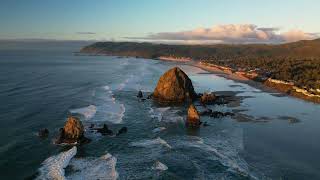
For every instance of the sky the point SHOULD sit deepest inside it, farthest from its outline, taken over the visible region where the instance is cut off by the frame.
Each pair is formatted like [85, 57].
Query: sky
[222, 21]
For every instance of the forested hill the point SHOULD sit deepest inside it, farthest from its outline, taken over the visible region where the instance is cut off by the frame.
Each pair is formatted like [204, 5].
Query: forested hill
[297, 62]
[296, 50]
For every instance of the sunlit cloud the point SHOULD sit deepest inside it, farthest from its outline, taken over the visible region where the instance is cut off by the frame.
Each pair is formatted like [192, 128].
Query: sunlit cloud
[232, 33]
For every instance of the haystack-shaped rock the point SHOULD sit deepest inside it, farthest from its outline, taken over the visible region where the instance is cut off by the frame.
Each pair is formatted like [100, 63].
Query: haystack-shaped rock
[174, 86]
[193, 119]
[72, 132]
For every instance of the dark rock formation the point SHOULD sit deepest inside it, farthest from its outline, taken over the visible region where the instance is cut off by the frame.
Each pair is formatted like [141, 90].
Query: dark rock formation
[174, 86]
[72, 132]
[193, 119]
[215, 114]
[43, 133]
[140, 95]
[218, 114]
[122, 130]
[105, 130]
[208, 98]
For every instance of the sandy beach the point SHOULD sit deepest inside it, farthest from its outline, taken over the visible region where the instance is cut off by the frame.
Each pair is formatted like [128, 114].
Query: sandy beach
[168, 58]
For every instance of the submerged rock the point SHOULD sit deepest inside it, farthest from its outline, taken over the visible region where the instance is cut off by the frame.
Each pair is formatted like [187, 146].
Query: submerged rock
[208, 98]
[193, 119]
[174, 86]
[122, 130]
[43, 133]
[72, 132]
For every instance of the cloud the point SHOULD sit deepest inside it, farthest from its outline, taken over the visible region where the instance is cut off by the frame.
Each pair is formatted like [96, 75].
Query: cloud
[232, 33]
[86, 33]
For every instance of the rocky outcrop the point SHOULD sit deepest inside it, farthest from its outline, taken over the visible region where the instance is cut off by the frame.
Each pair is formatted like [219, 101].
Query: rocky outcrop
[105, 130]
[193, 119]
[43, 133]
[72, 132]
[140, 95]
[174, 86]
[208, 98]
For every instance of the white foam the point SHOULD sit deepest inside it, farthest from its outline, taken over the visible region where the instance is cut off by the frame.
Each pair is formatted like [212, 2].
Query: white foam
[229, 157]
[134, 82]
[159, 166]
[53, 167]
[103, 168]
[88, 112]
[150, 142]
[158, 112]
[106, 87]
[158, 129]
[166, 114]
[115, 113]
[111, 108]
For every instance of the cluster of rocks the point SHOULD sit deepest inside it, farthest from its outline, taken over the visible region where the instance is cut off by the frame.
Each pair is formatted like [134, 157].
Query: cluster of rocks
[106, 131]
[175, 86]
[215, 114]
[208, 98]
[73, 132]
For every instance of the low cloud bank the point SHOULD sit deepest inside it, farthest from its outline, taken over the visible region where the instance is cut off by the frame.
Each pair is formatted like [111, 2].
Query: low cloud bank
[232, 33]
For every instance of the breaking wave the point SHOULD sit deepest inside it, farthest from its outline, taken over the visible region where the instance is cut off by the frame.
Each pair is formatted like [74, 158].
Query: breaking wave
[158, 129]
[88, 112]
[159, 166]
[111, 108]
[165, 114]
[150, 142]
[227, 155]
[53, 167]
[103, 168]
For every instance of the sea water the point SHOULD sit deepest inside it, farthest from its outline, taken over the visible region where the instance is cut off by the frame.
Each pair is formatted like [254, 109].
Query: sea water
[42, 83]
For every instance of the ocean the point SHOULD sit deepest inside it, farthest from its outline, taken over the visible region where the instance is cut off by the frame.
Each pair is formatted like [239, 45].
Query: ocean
[272, 136]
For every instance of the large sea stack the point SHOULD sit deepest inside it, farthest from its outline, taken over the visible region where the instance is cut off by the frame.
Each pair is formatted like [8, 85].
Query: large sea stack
[174, 86]
[72, 132]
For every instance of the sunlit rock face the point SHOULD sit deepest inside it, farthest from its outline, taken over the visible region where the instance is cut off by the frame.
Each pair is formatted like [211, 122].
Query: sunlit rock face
[193, 119]
[174, 86]
[72, 132]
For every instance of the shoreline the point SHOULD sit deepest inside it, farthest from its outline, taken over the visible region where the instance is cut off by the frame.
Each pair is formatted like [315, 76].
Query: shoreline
[168, 58]
[267, 86]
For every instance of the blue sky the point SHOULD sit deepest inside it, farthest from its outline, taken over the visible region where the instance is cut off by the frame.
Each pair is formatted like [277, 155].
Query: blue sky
[115, 19]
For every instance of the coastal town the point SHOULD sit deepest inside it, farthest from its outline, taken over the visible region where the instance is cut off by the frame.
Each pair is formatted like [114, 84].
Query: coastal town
[264, 77]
